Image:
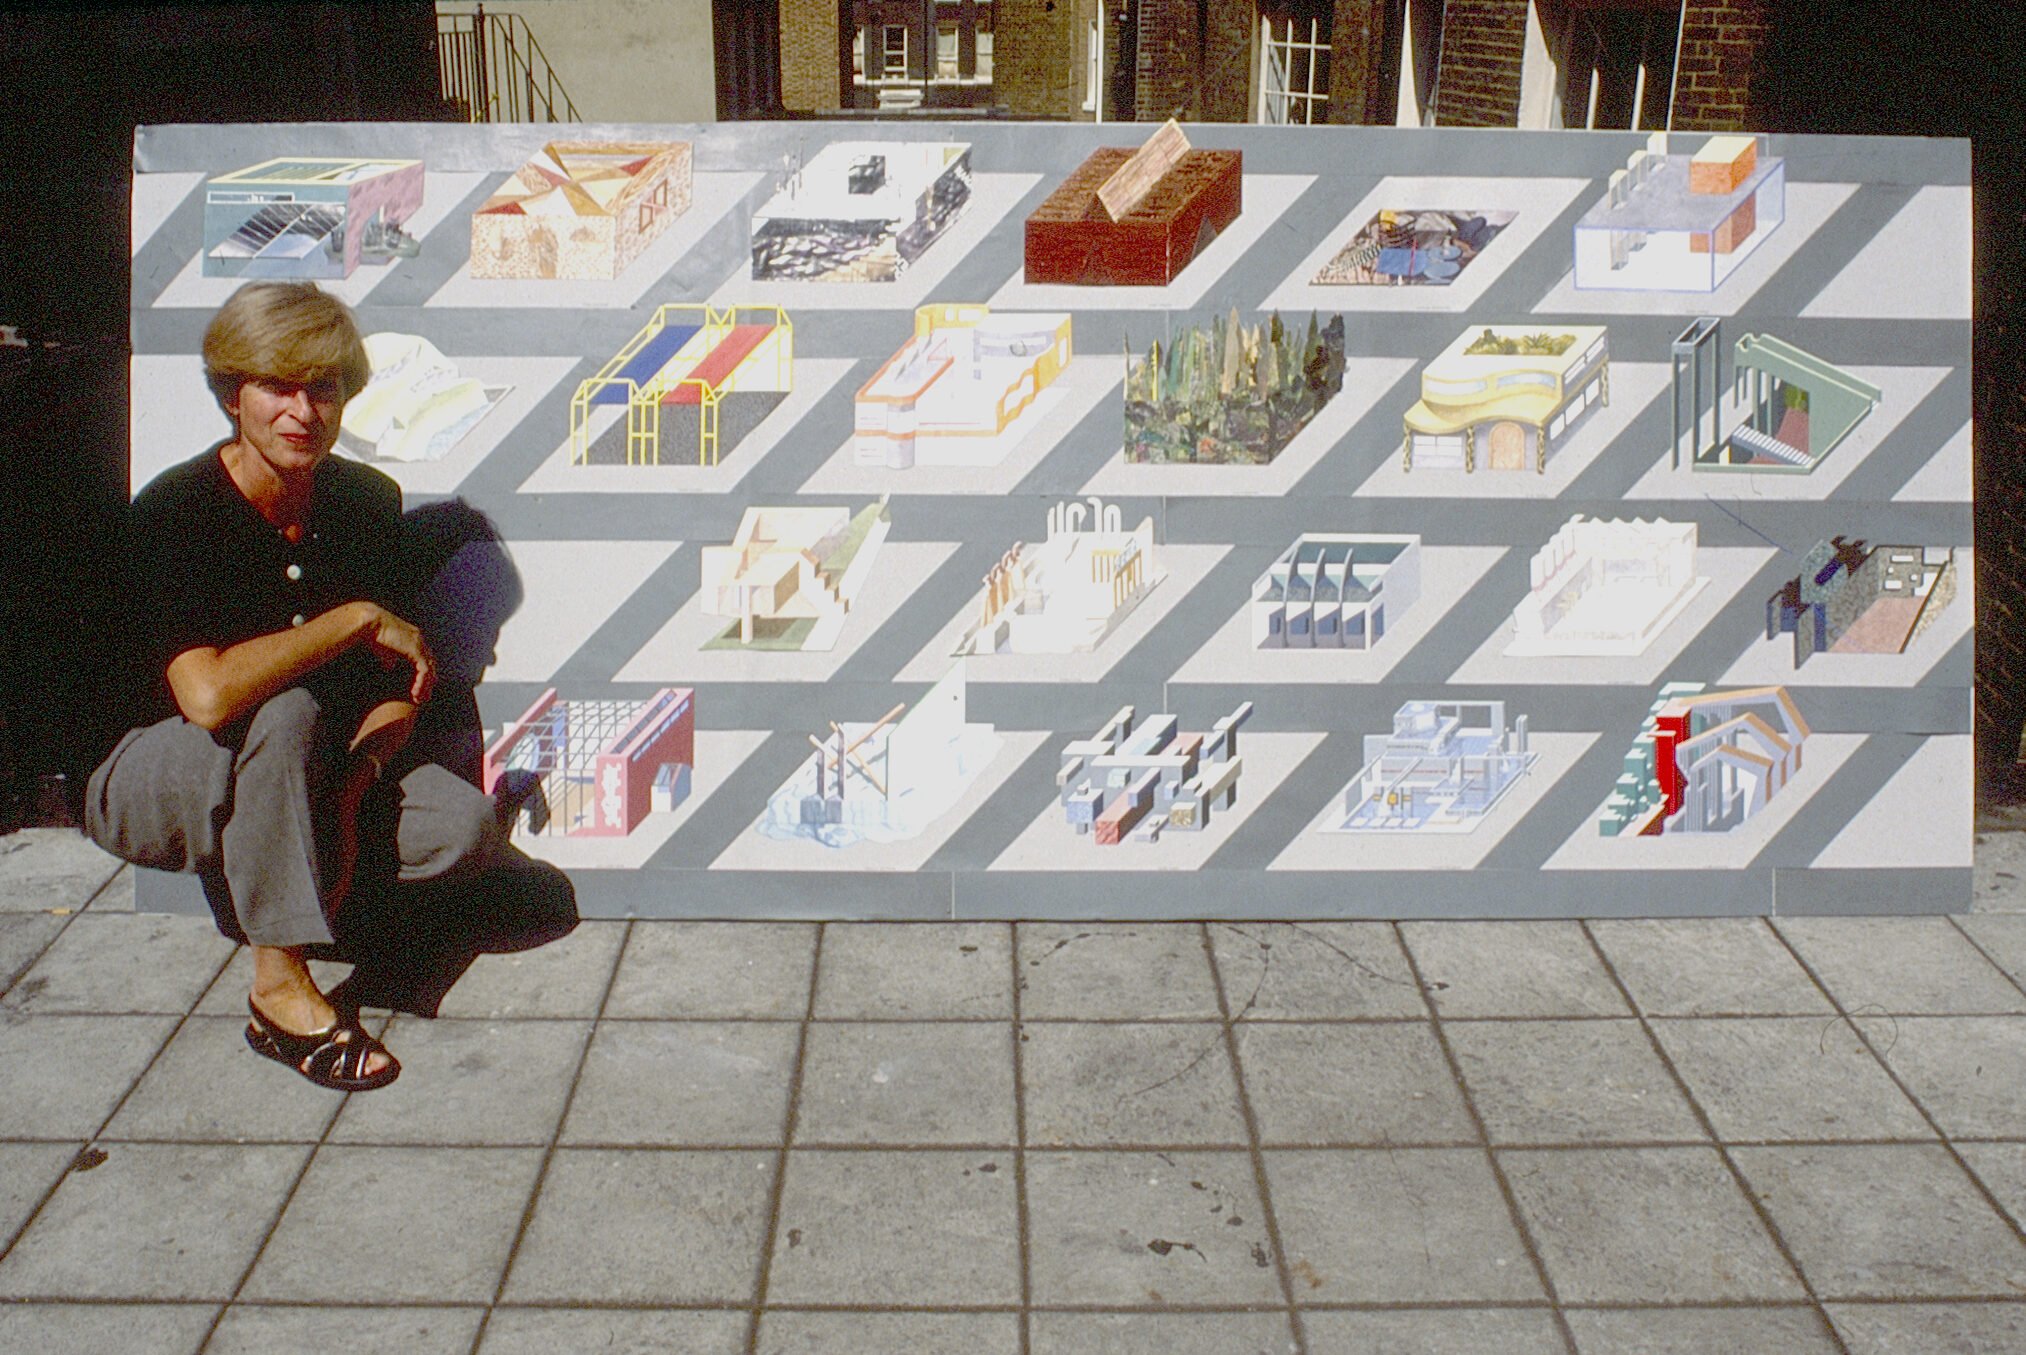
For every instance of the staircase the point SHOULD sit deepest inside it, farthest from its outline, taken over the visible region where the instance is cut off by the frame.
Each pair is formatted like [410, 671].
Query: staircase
[493, 70]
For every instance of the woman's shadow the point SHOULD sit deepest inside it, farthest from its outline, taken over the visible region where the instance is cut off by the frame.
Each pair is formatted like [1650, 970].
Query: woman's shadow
[410, 942]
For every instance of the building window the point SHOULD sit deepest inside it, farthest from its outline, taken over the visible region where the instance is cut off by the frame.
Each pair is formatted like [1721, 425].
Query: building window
[858, 56]
[893, 53]
[984, 39]
[1093, 67]
[1599, 63]
[946, 51]
[1294, 69]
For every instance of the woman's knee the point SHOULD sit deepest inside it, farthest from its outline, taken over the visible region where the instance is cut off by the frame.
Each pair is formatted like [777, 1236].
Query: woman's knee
[446, 824]
[289, 723]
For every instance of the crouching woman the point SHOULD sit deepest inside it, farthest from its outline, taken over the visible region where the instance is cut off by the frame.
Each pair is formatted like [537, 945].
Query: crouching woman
[279, 682]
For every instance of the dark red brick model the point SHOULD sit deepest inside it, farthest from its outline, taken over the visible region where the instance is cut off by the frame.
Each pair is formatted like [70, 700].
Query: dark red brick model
[1071, 238]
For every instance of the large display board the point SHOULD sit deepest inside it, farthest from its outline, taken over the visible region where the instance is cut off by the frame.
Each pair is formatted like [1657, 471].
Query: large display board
[1475, 523]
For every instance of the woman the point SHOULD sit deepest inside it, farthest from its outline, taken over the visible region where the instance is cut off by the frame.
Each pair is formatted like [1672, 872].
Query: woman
[280, 681]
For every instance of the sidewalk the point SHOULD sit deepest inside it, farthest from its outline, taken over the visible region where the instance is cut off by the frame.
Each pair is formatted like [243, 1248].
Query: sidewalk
[1693, 1136]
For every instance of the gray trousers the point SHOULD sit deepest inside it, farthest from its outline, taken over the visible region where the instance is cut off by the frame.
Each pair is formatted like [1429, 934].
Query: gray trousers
[249, 812]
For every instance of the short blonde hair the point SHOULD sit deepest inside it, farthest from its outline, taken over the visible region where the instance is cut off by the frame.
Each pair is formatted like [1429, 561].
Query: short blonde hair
[282, 331]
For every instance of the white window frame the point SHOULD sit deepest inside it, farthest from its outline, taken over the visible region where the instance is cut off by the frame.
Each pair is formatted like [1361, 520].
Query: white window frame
[858, 56]
[1093, 59]
[1280, 101]
[886, 66]
[947, 31]
[982, 50]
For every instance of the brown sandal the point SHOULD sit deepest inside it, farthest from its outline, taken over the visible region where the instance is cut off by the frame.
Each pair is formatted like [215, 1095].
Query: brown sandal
[334, 1057]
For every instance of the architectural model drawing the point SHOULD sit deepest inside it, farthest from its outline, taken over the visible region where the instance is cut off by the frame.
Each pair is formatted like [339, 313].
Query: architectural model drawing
[1226, 393]
[1502, 396]
[790, 574]
[416, 406]
[1796, 406]
[597, 767]
[1681, 223]
[1067, 594]
[687, 356]
[1851, 598]
[1443, 767]
[1413, 247]
[1331, 591]
[884, 781]
[299, 217]
[963, 379]
[581, 209]
[1705, 762]
[861, 211]
[1135, 217]
[1605, 587]
[1152, 780]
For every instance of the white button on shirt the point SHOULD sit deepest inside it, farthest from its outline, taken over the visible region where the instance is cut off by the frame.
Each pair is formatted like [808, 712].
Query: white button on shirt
[296, 620]
[294, 572]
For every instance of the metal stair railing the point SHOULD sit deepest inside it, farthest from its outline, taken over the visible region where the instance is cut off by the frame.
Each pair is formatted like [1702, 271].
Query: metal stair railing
[493, 70]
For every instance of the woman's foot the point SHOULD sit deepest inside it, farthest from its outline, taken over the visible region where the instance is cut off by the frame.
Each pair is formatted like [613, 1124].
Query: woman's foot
[286, 1002]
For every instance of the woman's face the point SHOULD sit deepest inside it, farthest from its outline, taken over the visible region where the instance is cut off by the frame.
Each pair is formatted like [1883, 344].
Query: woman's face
[292, 426]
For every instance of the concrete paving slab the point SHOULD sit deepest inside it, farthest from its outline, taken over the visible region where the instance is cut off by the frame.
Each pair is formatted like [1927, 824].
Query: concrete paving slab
[564, 978]
[117, 896]
[1717, 966]
[209, 1087]
[729, 970]
[907, 1083]
[1084, 971]
[1129, 1084]
[2002, 938]
[1788, 1078]
[27, 1171]
[45, 868]
[1570, 1082]
[921, 1228]
[1901, 965]
[1397, 1226]
[2000, 878]
[2002, 1169]
[1971, 1328]
[1350, 1084]
[1160, 1334]
[1313, 971]
[249, 1329]
[923, 971]
[93, 1329]
[469, 1082]
[1917, 1227]
[1701, 1331]
[23, 938]
[684, 1082]
[124, 963]
[392, 1225]
[544, 1331]
[644, 1226]
[792, 1333]
[1965, 1070]
[64, 1074]
[1511, 969]
[1435, 1331]
[1645, 1225]
[1177, 1230]
[114, 1232]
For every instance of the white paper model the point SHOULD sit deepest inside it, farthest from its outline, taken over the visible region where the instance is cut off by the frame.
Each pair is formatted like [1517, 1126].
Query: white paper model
[1067, 594]
[886, 781]
[1606, 587]
[1705, 762]
[416, 406]
[1330, 591]
[790, 574]
[1441, 770]
[965, 378]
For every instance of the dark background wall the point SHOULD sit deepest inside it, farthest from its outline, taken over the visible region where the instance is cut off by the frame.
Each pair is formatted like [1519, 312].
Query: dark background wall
[79, 77]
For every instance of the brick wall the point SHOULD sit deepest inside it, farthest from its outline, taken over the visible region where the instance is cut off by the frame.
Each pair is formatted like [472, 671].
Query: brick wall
[1716, 71]
[1167, 69]
[1225, 93]
[1482, 45]
[809, 65]
[1037, 54]
[1357, 36]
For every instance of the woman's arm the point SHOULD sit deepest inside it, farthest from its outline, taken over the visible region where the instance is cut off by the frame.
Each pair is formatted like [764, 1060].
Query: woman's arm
[214, 687]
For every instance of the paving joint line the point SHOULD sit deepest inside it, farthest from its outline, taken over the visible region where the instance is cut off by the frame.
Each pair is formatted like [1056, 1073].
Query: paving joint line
[1024, 1219]
[779, 1186]
[1526, 1236]
[1296, 1326]
[555, 1138]
[1764, 1214]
